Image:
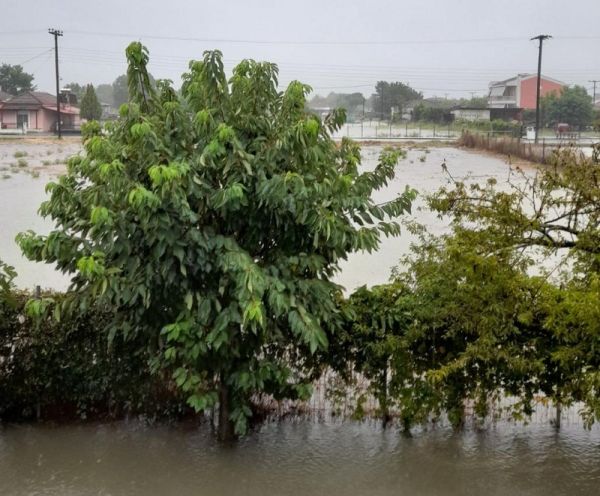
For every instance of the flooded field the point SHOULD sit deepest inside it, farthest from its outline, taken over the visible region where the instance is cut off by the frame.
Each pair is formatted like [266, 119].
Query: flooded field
[22, 193]
[297, 458]
[292, 457]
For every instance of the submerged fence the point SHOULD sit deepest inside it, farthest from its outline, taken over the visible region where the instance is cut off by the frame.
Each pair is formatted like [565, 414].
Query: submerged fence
[332, 398]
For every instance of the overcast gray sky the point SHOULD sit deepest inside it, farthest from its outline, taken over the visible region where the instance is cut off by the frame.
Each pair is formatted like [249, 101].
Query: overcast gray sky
[439, 47]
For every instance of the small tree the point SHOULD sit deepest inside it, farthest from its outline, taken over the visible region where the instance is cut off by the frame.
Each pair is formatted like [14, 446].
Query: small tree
[212, 224]
[90, 107]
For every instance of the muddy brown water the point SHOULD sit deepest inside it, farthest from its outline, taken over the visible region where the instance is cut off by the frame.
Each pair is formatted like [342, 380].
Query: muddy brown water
[21, 195]
[291, 457]
[303, 457]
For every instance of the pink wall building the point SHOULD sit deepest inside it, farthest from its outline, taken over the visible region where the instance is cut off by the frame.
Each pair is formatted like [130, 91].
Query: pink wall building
[520, 91]
[37, 111]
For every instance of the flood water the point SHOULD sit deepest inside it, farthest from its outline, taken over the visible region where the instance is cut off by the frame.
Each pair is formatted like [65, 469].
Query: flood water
[291, 457]
[304, 457]
[21, 195]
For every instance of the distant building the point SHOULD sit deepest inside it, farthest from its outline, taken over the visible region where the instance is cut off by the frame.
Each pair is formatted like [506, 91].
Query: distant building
[36, 110]
[520, 91]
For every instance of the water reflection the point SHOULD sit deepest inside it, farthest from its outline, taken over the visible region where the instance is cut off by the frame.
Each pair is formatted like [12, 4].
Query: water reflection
[298, 458]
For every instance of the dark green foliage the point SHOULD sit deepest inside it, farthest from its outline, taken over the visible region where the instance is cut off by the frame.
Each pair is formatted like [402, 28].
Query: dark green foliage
[572, 106]
[90, 107]
[211, 223]
[388, 95]
[65, 369]
[14, 80]
[429, 113]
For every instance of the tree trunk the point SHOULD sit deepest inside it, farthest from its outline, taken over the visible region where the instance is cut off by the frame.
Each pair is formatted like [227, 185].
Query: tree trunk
[384, 398]
[226, 430]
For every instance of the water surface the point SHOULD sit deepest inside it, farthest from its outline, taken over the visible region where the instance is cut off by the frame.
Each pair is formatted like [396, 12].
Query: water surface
[303, 457]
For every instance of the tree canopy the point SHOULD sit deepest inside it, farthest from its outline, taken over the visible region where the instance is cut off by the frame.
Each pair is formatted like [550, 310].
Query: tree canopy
[573, 106]
[121, 89]
[14, 80]
[394, 94]
[90, 107]
[211, 223]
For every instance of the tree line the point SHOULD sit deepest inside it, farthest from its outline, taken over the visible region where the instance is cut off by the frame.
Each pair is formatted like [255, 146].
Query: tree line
[203, 231]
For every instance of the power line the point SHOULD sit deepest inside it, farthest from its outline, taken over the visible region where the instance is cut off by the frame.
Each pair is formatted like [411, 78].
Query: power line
[36, 56]
[316, 42]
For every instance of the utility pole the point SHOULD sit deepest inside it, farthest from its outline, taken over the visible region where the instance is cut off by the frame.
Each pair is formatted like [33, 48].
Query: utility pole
[56, 33]
[594, 81]
[362, 121]
[540, 38]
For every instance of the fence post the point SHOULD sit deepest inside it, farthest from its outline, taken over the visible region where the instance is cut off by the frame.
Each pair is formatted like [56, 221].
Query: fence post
[434, 130]
[419, 129]
[543, 149]
[406, 130]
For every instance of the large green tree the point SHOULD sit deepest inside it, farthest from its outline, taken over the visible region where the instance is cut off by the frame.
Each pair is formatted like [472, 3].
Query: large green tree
[394, 94]
[212, 223]
[14, 80]
[573, 106]
[90, 107]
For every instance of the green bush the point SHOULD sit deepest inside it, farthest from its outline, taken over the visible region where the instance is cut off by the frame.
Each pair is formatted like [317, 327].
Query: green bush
[65, 369]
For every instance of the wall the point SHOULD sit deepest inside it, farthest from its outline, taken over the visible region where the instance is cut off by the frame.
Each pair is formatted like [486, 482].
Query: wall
[472, 114]
[528, 91]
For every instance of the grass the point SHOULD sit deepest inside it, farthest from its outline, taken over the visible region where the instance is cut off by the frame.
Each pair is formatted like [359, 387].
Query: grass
[46, 162]
[34, 173]
[19, 154]
[22, 162]
[6, 176]
[48, 152]
[422, 158]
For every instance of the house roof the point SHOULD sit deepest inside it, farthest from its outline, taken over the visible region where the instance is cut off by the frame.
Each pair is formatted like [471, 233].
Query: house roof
[34, 100]
[4, 96]
[31, 99]
[521, 77]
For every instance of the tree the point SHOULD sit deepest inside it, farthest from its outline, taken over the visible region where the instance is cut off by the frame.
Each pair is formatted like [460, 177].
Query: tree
[553, 213]
[7, 275]
[14, 80]
[388, 95]
[212, 223]
[77, 90]
[90, 107]
[120, 94]
[573, 106]
[105, 93]
[121, 90]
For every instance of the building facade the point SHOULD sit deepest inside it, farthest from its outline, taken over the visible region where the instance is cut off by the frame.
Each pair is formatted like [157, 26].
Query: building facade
[37, 111]
[520, 91]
